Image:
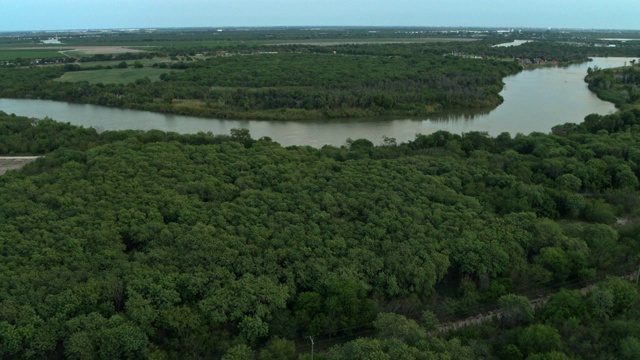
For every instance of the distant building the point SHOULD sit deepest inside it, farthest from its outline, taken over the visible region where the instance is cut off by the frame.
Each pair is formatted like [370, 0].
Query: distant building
[51, 41]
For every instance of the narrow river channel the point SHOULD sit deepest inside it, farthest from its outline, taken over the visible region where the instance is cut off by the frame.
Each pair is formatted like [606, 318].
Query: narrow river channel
[534, 101]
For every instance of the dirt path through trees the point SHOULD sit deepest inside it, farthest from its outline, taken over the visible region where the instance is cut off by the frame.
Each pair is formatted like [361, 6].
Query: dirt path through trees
[497, 314]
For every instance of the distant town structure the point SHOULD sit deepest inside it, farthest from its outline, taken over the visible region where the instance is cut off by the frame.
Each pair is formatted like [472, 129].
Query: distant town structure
[51, 41]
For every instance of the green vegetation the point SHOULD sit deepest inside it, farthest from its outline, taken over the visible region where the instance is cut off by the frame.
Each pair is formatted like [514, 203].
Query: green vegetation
[187, 38]
[289, 85]
[131, 244]
[604, 323]
[152, 244]
[112, 76]
[10, 55]
[621, 86]
[285, 74]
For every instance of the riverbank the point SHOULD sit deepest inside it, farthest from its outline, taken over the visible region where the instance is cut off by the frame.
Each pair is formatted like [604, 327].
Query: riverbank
[282, 85]
[534, 101]
[619, 85]
[553, 63]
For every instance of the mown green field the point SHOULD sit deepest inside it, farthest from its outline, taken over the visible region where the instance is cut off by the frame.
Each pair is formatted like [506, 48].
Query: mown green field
[112, 76]
[8, 55]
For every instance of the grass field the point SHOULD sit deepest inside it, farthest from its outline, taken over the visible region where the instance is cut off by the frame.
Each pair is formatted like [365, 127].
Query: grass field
[7, 43]
[114, 63]
[112, 76]
[8, 55]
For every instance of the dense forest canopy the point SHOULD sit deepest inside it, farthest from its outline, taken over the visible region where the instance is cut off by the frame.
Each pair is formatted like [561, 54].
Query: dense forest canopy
[132, 244]
[152, 244]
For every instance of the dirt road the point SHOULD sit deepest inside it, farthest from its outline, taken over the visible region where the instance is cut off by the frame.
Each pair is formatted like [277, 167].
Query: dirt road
[497, 314]
[82, 50]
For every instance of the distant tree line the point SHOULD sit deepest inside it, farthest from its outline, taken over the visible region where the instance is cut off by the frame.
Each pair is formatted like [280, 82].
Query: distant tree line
[288, 85]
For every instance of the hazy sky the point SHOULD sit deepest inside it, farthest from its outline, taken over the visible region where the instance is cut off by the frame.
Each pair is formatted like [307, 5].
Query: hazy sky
[96, 14]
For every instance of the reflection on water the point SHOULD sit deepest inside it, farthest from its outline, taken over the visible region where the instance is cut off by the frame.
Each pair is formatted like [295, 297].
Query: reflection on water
[533, 101]
[460, 115]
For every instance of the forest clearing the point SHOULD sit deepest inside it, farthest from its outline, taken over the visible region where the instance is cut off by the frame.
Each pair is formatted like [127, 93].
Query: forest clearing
[14, 162]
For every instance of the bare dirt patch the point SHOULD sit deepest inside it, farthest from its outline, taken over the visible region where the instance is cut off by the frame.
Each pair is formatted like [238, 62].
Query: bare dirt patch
[95, 50]
[14, 162]
[82, 50]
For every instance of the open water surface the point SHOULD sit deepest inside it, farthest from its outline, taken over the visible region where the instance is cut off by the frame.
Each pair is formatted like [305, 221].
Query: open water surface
[534, 101]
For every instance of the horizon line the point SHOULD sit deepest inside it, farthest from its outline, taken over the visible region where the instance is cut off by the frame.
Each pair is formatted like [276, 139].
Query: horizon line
[321, 27]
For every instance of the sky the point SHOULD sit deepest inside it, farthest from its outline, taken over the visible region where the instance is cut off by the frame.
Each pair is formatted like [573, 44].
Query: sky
[20, 15]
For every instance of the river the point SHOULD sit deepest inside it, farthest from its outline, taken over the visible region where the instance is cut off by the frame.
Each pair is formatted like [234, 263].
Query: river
[534, 101]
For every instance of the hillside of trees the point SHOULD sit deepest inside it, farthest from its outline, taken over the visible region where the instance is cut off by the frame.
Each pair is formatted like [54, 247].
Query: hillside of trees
[131, 244]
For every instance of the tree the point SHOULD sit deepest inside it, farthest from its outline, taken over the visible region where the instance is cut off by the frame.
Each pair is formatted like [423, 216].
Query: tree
[167, 98]
[253, 328]
[242, 136]
[511, 352]
[122, 65]
[396, 326]
[601, 301]
[603, 244]
[430, 321]
[629, 348]
[515, 310]
[556, 261]
[361, 349]
[624, 293]
[96, 337]
[572, 204]
[625, 177]
[10, 340]
[539, 339]
[569, 182]
[309, 310]
[239, 352]
[553, 355]
[599, 211]
[277, 349]
[346, 305]
[359, 144]
[564, 305]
